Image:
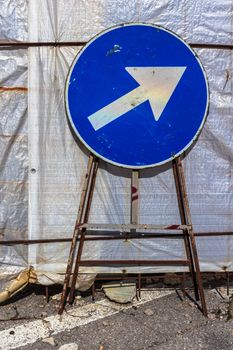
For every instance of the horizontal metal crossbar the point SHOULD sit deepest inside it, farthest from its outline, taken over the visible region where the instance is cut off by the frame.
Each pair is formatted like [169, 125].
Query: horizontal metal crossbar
[128, 227]
[90, 236]
[134, 262]
[26, 44]
[128, 234]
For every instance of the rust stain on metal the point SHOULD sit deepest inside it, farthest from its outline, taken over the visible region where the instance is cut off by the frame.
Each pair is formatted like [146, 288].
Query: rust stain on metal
[134, 192]
[173, 227]
[13, 89]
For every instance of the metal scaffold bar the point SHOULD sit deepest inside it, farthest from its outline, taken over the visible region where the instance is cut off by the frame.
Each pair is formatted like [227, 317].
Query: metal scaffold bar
[26, 44]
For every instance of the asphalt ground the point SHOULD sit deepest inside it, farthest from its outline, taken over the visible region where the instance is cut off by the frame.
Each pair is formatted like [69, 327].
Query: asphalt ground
[167, 321]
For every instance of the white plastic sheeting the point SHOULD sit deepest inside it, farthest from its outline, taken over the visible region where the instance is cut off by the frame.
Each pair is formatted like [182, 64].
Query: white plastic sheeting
[14, 154]
[57, 164]
[78, 20]
[13, 139]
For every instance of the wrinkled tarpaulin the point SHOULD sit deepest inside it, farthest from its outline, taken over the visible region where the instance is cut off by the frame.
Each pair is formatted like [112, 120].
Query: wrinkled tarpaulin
[43, 203]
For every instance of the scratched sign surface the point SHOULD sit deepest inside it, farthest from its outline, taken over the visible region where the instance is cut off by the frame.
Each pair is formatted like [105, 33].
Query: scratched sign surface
[137, 95]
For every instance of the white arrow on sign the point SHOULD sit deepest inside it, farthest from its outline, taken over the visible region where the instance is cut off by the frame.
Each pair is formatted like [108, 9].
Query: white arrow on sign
[156, 84]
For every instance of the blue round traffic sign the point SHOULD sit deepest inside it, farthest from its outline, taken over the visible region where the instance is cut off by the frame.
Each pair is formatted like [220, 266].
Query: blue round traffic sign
[137, 95]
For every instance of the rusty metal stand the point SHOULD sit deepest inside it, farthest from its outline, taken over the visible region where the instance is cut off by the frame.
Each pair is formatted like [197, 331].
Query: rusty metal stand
[82, 217]
[189, 239]
[130, 230]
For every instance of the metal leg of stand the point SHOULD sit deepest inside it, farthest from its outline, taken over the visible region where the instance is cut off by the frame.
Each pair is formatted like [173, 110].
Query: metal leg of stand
[228, 282]
[190, 243]
[198, 274]
[47, 294]
[76, 270]
[183, 218]
[75, 234]
[134, 197]
[85, 219]
[139, 285]
[134, 216]
[93, 292]
[193, 241]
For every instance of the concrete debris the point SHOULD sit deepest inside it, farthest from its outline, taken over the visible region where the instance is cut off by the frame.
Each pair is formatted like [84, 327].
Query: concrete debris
[212, 316]
[49, 340]
[120, 292]
[69, 346]
[56, 297]
[221, 311]
[43, 314]
[148, 312]
[192, 304]
[46, 324]
[79, 302]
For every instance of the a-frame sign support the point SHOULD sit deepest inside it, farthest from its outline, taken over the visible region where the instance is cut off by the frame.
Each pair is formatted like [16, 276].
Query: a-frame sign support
[82, 229]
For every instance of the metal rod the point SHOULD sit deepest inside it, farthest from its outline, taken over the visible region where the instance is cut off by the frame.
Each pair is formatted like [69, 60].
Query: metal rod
[192, 238]
[22, 44]
[184, 192]
[134, 198]
[228, 280]
[212, 46]
[127, 227]
[134, 262]
[134, 276]
[86, 213]
[77, 264]
[134, 214]
[13, 89]
[139, 285]
[139, 235]
[180, 198]
[47, 294]
[75, 235]
[119, 235]
[93, 291]
[211, 234]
